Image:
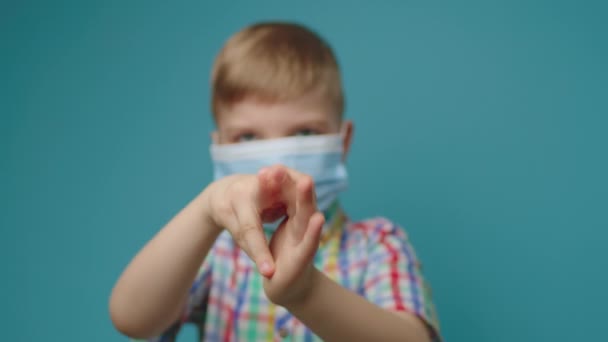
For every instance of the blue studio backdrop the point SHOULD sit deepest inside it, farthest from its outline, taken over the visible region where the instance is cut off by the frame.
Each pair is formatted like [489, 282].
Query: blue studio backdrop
[480, 128]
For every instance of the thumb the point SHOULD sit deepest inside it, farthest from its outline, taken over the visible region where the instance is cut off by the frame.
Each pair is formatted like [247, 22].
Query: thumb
[310, 242]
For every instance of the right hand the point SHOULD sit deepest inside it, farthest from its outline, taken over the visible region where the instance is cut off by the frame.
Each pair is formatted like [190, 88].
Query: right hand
[242, 203]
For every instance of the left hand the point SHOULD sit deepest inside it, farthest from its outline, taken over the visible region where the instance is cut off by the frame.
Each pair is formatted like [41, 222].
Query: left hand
[295, 242]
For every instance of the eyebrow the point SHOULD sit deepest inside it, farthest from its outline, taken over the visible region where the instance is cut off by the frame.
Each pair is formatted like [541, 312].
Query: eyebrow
[239, 128]
[314, 123]
[233, 131]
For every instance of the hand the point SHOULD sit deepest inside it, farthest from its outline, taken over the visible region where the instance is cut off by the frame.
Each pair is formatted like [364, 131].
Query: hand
[240, 204]
[295, 242]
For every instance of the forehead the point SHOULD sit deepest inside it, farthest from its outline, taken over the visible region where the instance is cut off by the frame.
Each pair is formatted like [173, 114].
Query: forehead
[250, 113]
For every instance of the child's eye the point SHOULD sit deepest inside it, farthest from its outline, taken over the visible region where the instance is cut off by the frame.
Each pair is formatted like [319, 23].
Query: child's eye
[245, 137]
[306, 132]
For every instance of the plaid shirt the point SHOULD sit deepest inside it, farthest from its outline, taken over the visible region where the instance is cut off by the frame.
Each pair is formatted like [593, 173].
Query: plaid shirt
[372, 258]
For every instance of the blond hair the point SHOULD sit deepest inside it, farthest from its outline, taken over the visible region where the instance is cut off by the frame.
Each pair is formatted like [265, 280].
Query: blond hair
[275, 62]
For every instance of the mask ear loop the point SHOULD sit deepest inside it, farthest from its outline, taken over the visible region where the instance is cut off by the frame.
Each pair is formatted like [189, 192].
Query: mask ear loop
[343, 130]
[343, 139]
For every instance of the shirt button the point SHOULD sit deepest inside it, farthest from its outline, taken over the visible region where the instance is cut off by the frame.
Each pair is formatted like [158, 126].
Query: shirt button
[283, 332]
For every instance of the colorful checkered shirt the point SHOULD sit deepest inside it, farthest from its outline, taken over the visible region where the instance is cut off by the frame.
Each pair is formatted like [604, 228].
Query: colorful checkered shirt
[372, 258]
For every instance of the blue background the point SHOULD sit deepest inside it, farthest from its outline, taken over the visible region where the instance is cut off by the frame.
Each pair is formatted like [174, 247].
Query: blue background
[480, 127]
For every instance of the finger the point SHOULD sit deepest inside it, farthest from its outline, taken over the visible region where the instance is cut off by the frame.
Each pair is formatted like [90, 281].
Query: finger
[250, 237]
[296, 176]
[269, 204]
[305, 206]
[269, 189]
[310, 242]
[279, 177]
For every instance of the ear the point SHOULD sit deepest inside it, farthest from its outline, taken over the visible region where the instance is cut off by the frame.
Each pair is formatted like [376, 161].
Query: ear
[215, 137]
[347, 133]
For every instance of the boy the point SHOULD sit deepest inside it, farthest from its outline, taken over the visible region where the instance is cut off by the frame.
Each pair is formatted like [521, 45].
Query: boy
[278, 154]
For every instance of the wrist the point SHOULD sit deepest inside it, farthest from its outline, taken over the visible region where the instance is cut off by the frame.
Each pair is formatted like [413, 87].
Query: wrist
[302, 302]
[207, 213]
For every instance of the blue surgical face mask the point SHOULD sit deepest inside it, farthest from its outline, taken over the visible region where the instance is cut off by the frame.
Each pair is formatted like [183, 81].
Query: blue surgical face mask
[319, 156]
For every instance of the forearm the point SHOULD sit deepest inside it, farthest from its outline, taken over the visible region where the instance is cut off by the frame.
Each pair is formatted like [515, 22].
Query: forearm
[150, 293]
[337, 314]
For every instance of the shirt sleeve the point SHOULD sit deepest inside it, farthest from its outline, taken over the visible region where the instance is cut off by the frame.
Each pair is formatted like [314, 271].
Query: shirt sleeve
[393, 279]
[195, 307]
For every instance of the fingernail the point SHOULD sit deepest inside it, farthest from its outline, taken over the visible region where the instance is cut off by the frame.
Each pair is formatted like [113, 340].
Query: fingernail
[265, 268]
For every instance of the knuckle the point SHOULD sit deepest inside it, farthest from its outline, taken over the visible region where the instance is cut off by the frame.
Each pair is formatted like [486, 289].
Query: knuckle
[223, 208]
[306, 183]
[237, 191]
[245, 231]
[234, 189]
[308, 180]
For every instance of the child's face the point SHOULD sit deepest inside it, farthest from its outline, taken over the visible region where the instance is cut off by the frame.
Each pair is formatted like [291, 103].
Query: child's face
[252, 120]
